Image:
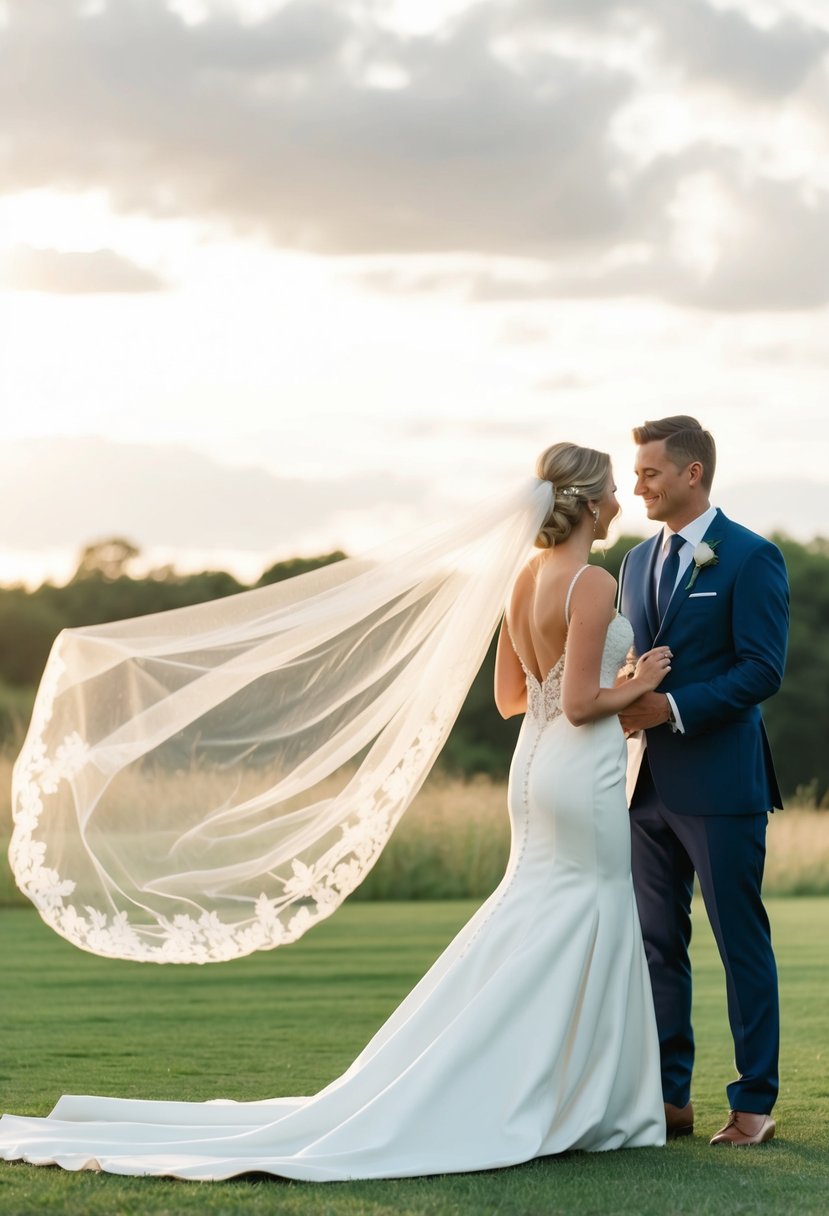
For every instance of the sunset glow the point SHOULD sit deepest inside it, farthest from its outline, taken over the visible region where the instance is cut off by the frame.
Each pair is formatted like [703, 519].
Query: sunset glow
[379, 259]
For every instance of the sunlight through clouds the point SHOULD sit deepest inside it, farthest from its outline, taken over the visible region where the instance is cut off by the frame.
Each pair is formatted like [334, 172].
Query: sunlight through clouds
[402, 245]
[703, 222]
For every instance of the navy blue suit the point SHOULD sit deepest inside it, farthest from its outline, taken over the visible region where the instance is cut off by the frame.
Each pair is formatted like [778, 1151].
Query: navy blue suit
[702, 797]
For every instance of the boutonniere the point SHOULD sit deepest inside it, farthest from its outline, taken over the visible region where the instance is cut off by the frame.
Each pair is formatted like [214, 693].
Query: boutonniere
[704, 555]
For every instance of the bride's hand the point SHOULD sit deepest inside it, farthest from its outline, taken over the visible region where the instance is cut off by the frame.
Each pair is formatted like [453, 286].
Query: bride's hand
[653, 666]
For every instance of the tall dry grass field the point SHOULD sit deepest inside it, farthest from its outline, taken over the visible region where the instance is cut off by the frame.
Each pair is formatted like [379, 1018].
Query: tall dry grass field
[454, 840]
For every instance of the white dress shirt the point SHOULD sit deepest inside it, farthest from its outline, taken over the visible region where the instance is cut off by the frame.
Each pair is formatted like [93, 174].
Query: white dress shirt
[692, 534]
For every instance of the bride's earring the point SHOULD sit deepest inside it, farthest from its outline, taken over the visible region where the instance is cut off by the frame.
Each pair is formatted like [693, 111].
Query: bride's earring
[595, 519]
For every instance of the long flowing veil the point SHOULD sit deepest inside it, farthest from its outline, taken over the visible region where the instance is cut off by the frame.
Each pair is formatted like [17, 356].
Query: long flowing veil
[206, 782]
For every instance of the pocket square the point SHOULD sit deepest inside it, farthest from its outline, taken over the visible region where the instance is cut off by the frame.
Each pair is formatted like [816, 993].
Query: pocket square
[698, 595]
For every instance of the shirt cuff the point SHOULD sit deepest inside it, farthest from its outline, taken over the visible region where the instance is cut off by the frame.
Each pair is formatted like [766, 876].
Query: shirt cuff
[676, 725]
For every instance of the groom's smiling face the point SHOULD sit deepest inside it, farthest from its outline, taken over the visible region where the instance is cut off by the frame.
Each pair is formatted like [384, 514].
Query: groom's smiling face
[666, 490]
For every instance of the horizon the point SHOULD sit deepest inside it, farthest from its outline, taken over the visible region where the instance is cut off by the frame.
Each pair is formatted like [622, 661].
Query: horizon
[346, 266]
[352, 526]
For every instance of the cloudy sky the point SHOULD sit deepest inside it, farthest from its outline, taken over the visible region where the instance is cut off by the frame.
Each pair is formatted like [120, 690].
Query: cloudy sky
[281, 276]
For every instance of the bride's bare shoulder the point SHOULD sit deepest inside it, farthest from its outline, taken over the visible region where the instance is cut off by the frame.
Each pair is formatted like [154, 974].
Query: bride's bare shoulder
[594, 578]
[545, 585]
[597, 579]
[595, 589]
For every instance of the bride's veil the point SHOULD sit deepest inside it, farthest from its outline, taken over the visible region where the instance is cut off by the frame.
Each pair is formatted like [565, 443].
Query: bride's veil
[206, 782]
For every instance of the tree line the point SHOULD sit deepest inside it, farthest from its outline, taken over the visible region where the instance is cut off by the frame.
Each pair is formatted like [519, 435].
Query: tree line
[102, 590]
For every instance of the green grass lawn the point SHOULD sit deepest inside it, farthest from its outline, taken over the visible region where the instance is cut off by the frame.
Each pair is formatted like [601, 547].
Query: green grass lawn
[290, 1020]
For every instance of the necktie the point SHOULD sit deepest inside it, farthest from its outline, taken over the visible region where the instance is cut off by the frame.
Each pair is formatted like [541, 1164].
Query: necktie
[667, 578]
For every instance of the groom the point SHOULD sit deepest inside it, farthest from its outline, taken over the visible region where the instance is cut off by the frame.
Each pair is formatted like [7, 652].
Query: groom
[701, 779]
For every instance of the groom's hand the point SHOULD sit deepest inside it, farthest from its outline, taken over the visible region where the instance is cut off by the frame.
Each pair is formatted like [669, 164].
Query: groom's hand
[651, 709]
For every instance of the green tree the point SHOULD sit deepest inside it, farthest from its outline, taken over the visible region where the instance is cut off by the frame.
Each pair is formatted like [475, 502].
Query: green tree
[108, 559]
[27, 630]
[481, 742]
[798, 717]
[298, 565]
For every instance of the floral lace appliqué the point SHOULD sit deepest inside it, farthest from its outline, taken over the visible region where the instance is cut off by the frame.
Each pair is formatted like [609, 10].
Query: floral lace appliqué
[309, 894]
[544, 696]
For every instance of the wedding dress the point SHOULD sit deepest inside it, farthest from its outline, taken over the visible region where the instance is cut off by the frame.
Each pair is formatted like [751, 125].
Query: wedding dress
[533, 1033]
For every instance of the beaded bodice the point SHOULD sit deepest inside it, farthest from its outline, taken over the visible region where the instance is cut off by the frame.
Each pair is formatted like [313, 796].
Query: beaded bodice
[544, 696]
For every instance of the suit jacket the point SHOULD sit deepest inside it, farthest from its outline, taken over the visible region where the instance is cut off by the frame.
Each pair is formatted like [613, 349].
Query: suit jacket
[728, 634]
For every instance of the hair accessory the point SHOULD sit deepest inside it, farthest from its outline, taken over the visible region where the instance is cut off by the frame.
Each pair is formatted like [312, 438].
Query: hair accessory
[572, 491]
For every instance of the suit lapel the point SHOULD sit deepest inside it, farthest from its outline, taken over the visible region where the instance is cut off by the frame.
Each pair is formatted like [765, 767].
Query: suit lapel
[715, 531]
[678, 598]
[649, 592]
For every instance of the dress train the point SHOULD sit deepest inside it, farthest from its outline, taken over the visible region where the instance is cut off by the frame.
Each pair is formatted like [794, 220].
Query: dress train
[532, 1034]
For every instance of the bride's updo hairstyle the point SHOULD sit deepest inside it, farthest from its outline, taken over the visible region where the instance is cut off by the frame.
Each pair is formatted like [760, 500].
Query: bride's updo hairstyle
[578, 475]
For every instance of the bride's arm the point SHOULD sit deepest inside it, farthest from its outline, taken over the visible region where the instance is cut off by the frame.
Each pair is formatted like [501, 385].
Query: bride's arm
[583, 698]
[510, 681]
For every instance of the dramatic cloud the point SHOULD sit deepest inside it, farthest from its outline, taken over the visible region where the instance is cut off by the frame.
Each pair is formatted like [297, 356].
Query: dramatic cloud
[322, 128]
[724, 47]
[773, 252]
[68, 273]
[709, 43]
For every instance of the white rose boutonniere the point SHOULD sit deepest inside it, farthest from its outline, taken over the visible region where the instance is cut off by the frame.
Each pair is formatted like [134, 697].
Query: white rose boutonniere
[704, 555]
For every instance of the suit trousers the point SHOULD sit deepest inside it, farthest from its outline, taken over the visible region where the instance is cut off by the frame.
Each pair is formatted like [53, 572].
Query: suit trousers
[727, 852]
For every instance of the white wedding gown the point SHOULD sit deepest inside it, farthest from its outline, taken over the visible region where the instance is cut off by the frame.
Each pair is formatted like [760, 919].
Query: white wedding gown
[533, 1033]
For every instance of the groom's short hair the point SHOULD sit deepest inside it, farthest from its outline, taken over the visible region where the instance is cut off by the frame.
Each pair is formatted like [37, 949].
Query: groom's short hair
[685, 441]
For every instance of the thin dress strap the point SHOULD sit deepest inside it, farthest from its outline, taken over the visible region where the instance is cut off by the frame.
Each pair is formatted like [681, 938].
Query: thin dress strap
[576, 577]
[566, 619]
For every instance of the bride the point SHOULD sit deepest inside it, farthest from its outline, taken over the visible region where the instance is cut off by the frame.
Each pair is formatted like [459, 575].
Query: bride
[534, 1032]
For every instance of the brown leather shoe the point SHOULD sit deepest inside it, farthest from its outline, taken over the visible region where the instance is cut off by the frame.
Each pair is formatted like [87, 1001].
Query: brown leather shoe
[679, 1120]
[745, 1128]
